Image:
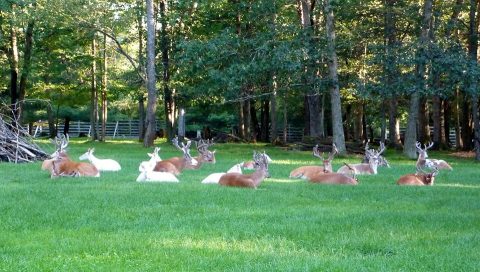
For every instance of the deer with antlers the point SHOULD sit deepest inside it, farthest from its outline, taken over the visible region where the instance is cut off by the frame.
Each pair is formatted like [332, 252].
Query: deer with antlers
[369, 168]
[418, 179]
[63, 166]
[205, 155]
[176, 165]
[336, 178]
[423, 161]
[381, 159]
[252, 180]
[308, 171]
[150, 164]
[60, 145]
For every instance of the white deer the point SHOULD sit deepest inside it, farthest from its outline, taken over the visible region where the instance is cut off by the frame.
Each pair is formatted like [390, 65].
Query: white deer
[101, 164]
[154, 176]
[423, 162]
[150, 164]
[215, 177]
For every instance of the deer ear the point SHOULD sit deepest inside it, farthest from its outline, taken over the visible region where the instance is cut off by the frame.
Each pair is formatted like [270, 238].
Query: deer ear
[92, 149]
[150, 155]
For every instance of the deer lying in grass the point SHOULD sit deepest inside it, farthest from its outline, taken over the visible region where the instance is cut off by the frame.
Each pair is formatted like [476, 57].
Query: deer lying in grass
[423, 162]
[150, 164]
[381, 159]
[336, 178]
[418, 179]
[250, 165]
[60, 146]
[369, 168]
[100, 164]
[215, 177]
[153, 176]
[306, 172]
[176, 165]
[62, 166]
[252, 180]
[205, 155]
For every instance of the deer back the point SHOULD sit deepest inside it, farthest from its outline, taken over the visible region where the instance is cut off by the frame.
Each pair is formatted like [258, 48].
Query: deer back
[248, 180]
[173, 165]
[333, 178]
[417, 179]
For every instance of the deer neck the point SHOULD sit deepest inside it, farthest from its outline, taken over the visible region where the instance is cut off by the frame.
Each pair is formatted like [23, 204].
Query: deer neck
[258, 176]
[373, 166]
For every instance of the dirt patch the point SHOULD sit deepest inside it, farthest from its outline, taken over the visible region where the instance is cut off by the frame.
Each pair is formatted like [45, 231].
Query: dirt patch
[464, 154]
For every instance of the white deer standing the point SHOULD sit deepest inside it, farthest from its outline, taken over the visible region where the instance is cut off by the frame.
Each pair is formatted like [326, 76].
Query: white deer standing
[101, 164]
[215, 177]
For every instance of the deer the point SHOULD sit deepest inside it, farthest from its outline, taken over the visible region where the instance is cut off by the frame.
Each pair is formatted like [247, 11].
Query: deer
[61, 144]
[176, 165]
[150, 164]
[62, 166]
[205, 155]
[215, 177]
[250, 165]
[100, 164]
[335, 178]
[424, 162]
[252, 180]
[381, 159]
[369, 168]
[418, 179]
[148, 175]
[305, 172]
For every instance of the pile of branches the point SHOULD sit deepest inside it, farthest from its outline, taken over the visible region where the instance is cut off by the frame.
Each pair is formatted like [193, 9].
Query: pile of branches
[16, 145]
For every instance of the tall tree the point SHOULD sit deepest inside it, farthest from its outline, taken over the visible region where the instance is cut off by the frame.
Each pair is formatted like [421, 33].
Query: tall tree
[150, 132]
[337, 123]
[94, 93]
[473, 81]
[165, 49]
[409, 148]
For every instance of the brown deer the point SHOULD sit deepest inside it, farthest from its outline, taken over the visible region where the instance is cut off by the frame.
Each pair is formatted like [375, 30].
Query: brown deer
[61, 144]
[176, 165]
[369, 168]
[381, 159]
[252, 180]
[336, 178]
[62, 166]
[305, 172]
[418, 179]
[423, 161]
[205, 155]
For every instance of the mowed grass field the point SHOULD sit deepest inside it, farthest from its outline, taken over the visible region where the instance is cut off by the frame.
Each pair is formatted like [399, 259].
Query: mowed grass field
[113, 223]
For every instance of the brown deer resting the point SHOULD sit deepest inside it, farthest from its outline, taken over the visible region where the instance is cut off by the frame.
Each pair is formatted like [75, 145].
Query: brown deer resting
[417, 179]
[175, 165]
[248, 180]
[336, 178]
[61, 144]
[308, 171]
[62, 166]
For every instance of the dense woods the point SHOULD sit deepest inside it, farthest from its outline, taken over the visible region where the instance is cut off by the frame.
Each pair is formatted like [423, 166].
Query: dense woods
[350, 70]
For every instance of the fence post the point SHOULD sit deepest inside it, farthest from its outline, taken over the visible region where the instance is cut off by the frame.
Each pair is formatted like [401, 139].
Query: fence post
[115, 130]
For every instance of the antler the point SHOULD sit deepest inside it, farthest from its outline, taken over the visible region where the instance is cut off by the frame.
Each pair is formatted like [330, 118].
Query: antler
[203, 145]
[429, 146]
[316, 152]
[332, 154]
[418, 145]
[382, 148]
[366, 145]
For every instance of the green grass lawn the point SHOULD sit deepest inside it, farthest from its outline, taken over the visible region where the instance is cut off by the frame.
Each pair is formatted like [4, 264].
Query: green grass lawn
[113, 223]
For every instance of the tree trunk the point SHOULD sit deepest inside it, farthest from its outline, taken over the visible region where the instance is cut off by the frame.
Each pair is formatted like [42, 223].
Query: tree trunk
[141, 97]
[447, 116]
[241, 120]
[393, 127]
[458, 132]
[423, 124]
[104, 90]
[141, 118]
[150, 132]
[247, 120]
[27, 57]
[273, 110]
[264, 126]
[285, 119]
[255, 129]
[357, 122]
[94, 93]
[337, 124]
[437, 122]
[168, 94]
[51, 122]
[473, 86]
[409, 148]
[321, 126]
[383, 121]
[13, 60]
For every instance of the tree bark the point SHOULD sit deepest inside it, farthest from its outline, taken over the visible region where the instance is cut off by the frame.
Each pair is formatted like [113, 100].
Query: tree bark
[273, 110]
[473, 86]
[104, 90]
[94, 93]
[141, 96]
[150, 132]
[27, 57]
[13, 60]
[264, 126]
[337, 124]
[167, 92]
[409, 148]
[423, 125]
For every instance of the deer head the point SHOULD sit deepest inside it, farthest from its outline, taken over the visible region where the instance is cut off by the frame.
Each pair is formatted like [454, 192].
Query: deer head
[61, 144]
[327, 161]
[261, 162]
[202, 148]
[422, 153]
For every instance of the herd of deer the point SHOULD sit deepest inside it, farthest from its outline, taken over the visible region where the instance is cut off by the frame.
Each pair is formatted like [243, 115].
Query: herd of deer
[158, 170]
